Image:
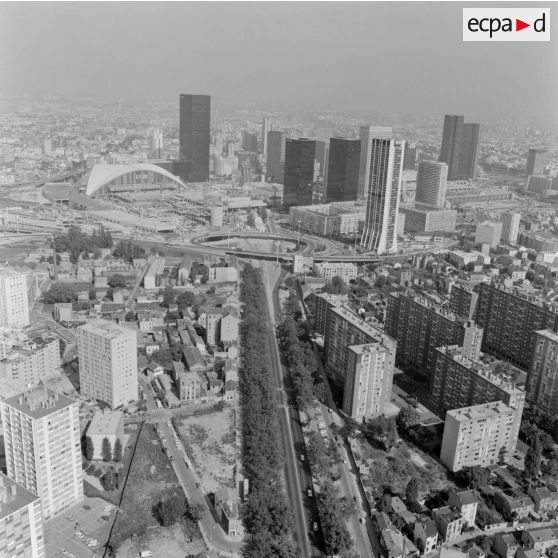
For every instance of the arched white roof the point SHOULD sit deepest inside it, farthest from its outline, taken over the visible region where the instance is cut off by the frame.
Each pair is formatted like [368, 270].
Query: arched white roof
[101, 174]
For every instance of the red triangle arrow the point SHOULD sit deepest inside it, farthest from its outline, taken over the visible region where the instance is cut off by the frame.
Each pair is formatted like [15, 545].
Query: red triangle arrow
[519, 25]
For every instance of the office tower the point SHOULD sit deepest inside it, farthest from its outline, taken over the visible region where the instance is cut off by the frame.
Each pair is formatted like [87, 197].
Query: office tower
[266, 128]
[194, 135]
[155, 143]
[489, 233]
[300, 175]
[384, 192]
[21, 521]
[431, 183]
[275, 160]
[366, 134]
[459, 147]
[463, 301]
[410, 157]
[342, 169]
[249, 141]
[369, 380]
[480, 435]
[14, 304]
[31, 361]
[510, 227]
[349, 368]
[43, 450]
[461, 381]
[542, 377]
[510, 321]
[322, 157]
[108, 362]
[419, 327]
[536, 160]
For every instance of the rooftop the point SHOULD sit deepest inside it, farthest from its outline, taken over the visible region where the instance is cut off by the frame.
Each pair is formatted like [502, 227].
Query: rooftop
[107, 329]
[39, 402]
[485, 411]
[105, 422]
[13, 497]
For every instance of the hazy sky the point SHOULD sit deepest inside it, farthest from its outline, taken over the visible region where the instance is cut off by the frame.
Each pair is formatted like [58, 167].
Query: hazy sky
[391, 58]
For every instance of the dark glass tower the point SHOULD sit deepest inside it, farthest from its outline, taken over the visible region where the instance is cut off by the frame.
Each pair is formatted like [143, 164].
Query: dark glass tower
[459, 149]
[299, 171]
[342, 171]
[194, 135]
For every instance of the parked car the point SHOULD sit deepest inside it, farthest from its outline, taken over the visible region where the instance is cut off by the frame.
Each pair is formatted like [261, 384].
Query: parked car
[315, 526]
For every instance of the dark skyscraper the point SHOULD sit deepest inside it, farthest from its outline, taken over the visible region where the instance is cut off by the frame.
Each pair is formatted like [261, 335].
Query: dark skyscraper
[275, 160]
[342, 170]
[194, 135]
[460, 143]
[410, 157]
[299, 171]
[536, 161]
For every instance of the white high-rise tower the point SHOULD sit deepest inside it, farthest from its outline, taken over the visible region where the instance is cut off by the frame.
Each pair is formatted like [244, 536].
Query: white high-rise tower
[384, 192]
[366, 134]
[14, 303]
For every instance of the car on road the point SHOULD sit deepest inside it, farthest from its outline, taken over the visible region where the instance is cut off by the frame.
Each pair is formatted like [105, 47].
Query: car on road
[171, 458]
[315, 526]
[362, 519]
[301, 457]
[79, 535]
[309, 492]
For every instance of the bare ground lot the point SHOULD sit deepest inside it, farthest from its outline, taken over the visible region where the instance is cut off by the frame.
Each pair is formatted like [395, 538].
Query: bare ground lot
[210, 442]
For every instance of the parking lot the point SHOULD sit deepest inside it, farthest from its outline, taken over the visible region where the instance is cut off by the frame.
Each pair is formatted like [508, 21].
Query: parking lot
[81, 531]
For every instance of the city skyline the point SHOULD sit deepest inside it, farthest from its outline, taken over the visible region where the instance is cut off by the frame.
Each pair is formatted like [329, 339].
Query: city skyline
[437, 79]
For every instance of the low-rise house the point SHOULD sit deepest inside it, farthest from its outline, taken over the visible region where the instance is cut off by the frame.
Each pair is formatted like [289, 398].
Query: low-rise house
[189, 385]
[231, 381]
[229, 330]
[63, 311]
[540, 539]
[513, 503]
[543, 498]
[506, 545]
[465, 502]
[155, 369]
[425, 534]
[449, 522]
[473, 550]
[193, 359]
[105, 424]
[527, 553]
[226, 506]
[397, 510]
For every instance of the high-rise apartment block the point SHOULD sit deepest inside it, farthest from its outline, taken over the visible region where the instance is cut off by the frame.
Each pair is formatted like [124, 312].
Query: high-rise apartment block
[420, 326]
[343, 169]
[479, 435]
[510, 227]
[431, 183]
[463, 300]
[489, 233]
[266, 127]
[509, 322]
[108, 362]
[14, 303]
[194, 138]
[536, 160]
[21, 522]
[324, 302]
[43, 449]
[275, 159]
[542, 377]
[460, 380]
[384, 192]
[459, 147]
[369, 380]
[31, 361]
[360, 357]
[300, 177]
[366, 134]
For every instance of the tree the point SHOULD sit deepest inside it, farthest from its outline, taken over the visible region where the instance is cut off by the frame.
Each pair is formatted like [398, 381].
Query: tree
[184, 300]
[117, 451]
[89, 449]
[407, 417]
[412, 490]
[195, 511]
[336, 286]
[117, 281]
[172, 509]
[108, 480]
[130, 316]
[106, 450]
[533, 459]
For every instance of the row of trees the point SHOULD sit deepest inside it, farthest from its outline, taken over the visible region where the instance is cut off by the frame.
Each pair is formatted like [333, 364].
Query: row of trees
[175, 508]
[127, 250]
[267, 516]
[107, 451]
[299, 356]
